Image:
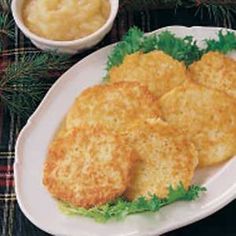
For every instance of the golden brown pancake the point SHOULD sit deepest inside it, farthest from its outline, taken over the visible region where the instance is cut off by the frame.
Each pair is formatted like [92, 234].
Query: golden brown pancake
[113, 105]
[166, 159]
[88, 166]
[206, 116]
[216, 71]
[157, 70]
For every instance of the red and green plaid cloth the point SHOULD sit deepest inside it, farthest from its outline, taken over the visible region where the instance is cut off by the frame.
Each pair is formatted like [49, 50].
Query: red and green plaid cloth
[12, 221]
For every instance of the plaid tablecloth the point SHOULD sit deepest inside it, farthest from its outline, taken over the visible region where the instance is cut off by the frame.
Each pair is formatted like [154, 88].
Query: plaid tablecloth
[12, 221]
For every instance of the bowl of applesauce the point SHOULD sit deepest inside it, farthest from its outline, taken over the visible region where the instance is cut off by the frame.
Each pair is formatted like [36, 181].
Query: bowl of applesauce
[66, 26]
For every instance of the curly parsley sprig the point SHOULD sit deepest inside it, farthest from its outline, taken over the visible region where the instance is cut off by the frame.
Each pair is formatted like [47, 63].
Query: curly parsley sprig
[224, 44]
[182, 49]
[120, 208]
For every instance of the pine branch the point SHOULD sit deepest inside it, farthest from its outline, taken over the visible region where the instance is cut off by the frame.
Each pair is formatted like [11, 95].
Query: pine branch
[148, 4]
[5, 5]
[157, 4]
[217, 10]
[23, 84]
[34, 66]
[22, 98]
[218, 13]
[6, 29]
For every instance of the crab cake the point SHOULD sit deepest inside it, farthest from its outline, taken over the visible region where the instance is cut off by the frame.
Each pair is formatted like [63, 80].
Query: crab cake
[216, 71]
[166, 159]
[89, 166]
[113, 105]
[157, 70]
[206, 116]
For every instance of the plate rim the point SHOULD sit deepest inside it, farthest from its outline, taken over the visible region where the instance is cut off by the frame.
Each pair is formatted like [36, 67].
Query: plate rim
[31, 122]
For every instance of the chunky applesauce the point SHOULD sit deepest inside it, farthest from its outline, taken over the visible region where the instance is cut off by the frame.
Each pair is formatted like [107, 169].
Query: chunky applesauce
[64, 20]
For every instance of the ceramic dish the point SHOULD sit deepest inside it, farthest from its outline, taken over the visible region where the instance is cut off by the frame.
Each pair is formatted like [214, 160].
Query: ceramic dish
[31, 149]
[72, 46]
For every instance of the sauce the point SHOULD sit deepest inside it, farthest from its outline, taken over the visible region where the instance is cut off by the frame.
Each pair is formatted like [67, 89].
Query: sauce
[64, 20]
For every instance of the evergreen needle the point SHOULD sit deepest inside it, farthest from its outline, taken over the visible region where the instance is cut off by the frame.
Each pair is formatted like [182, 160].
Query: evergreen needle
[23, 84]
[6, 28]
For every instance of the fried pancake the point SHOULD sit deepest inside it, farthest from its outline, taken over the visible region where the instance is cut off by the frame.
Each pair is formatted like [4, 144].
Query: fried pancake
[157, 70]
[166, 159]
[89, 166]
[206, 116]
[216, 71]
[113, 105]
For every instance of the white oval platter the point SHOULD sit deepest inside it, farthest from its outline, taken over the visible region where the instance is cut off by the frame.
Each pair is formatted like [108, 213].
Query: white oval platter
[31, 148]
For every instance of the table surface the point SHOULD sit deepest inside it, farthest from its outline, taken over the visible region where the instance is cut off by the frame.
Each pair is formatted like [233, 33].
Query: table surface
[12, 220]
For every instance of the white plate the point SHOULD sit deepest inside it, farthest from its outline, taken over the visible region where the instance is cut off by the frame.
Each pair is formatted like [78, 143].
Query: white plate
[31, 149]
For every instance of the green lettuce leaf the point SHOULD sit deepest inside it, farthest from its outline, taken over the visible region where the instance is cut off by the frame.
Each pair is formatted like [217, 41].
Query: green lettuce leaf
[120, 208]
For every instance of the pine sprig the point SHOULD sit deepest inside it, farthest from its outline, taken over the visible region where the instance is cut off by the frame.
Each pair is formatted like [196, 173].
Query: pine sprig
[36, 65]
[152, 4]
[217, 10]
[23, 84]
[157, 4]
[6, 29]
[120, 208]
[5, 5]
[22, 98]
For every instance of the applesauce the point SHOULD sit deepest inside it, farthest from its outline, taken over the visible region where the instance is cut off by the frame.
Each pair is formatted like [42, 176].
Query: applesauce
[64, 20]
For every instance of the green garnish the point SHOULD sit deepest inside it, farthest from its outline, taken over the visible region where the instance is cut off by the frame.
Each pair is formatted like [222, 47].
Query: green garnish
[182, 49]
[131, 43]
[225, 43]
[120, 208]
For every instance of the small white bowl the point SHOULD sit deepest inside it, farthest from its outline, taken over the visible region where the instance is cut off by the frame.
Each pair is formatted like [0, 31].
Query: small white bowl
[72, 46]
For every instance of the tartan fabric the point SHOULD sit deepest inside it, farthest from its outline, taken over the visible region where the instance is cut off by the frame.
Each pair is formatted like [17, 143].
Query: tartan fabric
[12, 221]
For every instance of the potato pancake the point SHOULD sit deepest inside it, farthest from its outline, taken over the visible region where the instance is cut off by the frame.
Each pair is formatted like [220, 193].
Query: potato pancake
[166, 159]
[216, 71]
[113, 105]
[157, 70]
[88, 166]
[206, 116]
